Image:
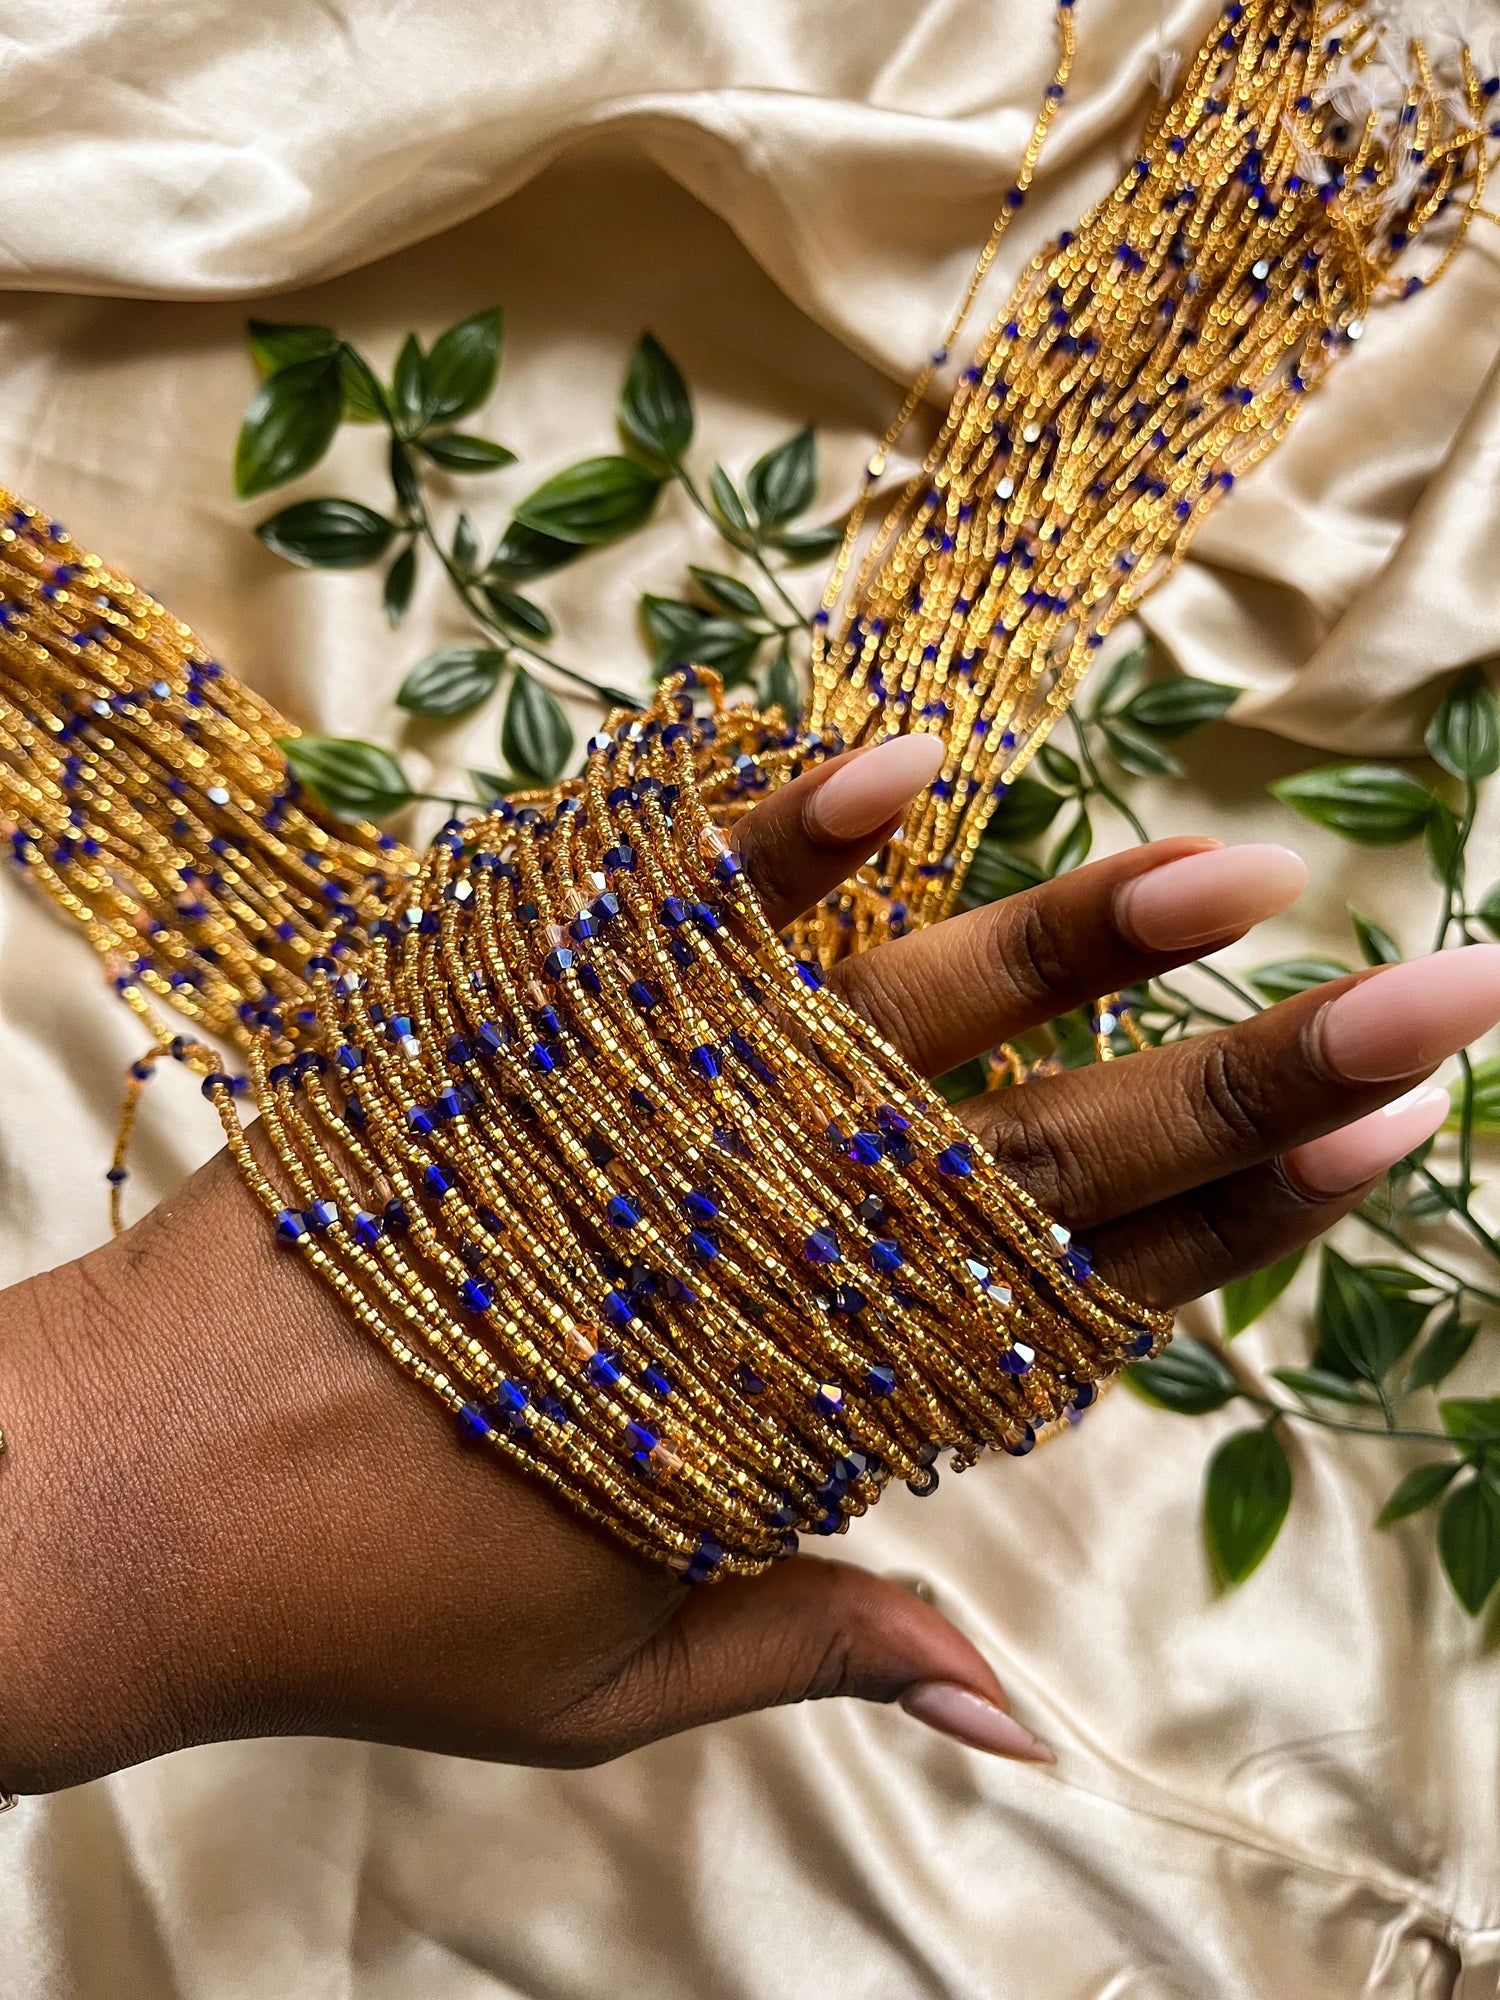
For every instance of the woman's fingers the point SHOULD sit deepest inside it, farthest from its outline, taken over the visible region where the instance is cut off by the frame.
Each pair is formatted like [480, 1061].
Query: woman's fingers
[1180, 1249]
[813, 833]
[1099, 1143]
[945, 994]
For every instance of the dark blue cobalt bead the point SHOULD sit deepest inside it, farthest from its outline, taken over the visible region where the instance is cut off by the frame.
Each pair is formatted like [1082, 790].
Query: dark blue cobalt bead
[459, 1049]
[436, 1181]
[619, 857]
[1085, 1395]
[956, 1161]
[747, 1380]
[674, 911]
[828, 1399]
[476, 1295]
[603, 1369]
[290, 1227]
[829, 1523]
[785, 1515]
[880, 1380]
[450, 1104]
[474, 1420]
[642, 1103]
[622, 1212]
[281, 1073]
[321, 1216]
[702, 1246]
[704, 1062]
[727, 867]
[659, 1384]
[704, 1561]
[549, 1021]
[641, 1441]
[681, 950]
[511, 1397]
[810, 974]
[492, 1038]
[1024, 1443]
[557, 962]
[368, 1229]
[117, 1176]
[866, 1149]
[849, 1299]
[419, 1120]
[642, 996]
[821, 1247]
[617, 1308]
[1141, 1344]
[700, 1205]
[542, 1058]
[886, 1254]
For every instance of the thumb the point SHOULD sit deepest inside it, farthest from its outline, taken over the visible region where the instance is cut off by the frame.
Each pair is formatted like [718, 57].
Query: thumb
[809, 1629]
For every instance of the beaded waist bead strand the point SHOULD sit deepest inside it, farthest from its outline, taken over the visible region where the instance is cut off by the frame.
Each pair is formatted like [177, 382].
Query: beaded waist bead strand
[587, 1148]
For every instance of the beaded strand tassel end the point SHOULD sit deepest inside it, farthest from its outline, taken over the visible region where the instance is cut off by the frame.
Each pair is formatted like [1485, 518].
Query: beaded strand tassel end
[589, 1149]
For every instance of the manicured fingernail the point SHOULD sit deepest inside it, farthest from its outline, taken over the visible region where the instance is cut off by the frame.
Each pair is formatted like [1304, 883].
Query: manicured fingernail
[870, 789]
[1341, 1161]
[1206, 896]
[957, 1711]
[1408, 1017]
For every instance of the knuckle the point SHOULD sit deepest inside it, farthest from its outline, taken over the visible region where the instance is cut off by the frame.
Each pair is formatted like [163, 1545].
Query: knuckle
[1027, 1146]
[766, 852]
[1034, 950]
[1232, 1094]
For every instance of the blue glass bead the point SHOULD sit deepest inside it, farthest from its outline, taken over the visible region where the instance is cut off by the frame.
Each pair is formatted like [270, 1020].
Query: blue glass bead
[511, 1397]
[880, 1380]
[642, 1442]
[642, 996]
[866, 1149]
[622, 1212]
[702, 1246]
[1141, 1344]
[727, 867]
[368, 1229]
[659, 1384]
[603, 1369]
[398, 1027]
[886, 1254]
[476, 1295]
[1024, 1443]
[436, 1181]
[321, 1216]
[491, 1038]
[747, 1381]
[1085, 1395]
[621, 857]
[450, 1104]
[704, 1061]
[956, 1161]
[828, 1399]
[290, 1227]
[700, 1205]
[821, 1247]
[117, 1176]
[474, 1420]
[810, 974]
[674, 911]
[704, 1561]
[459, 1049]
[542, 1059]
[849, 1299]
[395, 1217]
[419, 1120]
[618, 1309]
[556, 963]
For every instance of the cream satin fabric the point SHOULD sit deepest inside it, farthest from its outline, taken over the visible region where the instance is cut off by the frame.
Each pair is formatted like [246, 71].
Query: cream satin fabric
[1291, 1792]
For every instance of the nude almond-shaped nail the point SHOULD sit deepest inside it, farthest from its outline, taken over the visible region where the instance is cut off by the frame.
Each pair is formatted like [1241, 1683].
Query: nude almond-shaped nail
[959, 1712]
[1191, 902]
[1408, 1017]
[872, 788]
[1342, 1161]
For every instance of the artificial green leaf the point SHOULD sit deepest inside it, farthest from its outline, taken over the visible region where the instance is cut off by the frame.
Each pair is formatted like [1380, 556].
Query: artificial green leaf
[728, 503]
[995, 872]
[1488, 911]
[522, 553]
[400, 580]
[1418, 1490]
[1138, 751]
[1026, 808]
[956, 1086]
[364, 399]
[809, 545]
[595, 501]
[1188, 1378]
[1321, 1385]
[1464, 735]
[1397, 1280]
[536, 736]
[460, 371]
[1246, 1494]
[1374, 804]
[1377, 946]
[1176, 707]
[405, 480]
[656, 411]
[452, 681]
[288, 426]
[1073, 849]
[1442, 1350]
[782, 481]
[276, 345]
[1473, 1422]
[328, 534]
[465, 550]
[779, 686]
[1469, 1542]
[516, 611]
[353, 780]
[1285, 976]
[1363, 1327]
[1443, 840]
[489, 785]
[1245, 1299]
[1111, 682]
[455, 451]
[1060, 767]
[409, 387]
[684, 636]
[1486, 1108]
[727, 593]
